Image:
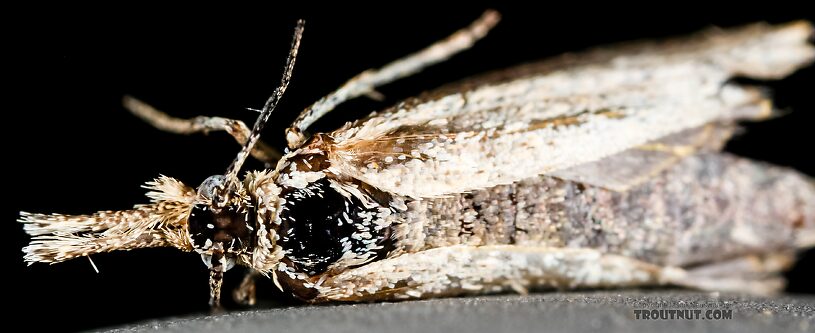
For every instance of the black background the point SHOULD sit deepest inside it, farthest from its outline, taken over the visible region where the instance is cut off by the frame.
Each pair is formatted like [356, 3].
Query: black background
[73, 149]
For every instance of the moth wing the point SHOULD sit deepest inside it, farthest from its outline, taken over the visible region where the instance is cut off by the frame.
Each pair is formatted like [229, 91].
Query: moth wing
[635, 166]
[496, 268]
[546, 121]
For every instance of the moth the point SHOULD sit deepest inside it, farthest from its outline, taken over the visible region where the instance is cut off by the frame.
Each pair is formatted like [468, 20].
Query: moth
[590, 170]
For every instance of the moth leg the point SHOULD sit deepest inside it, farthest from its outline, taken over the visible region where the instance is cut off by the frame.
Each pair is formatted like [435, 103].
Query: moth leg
[367, 81]
[201, 124]
[216, 281]
[459, 270]
[245, 293]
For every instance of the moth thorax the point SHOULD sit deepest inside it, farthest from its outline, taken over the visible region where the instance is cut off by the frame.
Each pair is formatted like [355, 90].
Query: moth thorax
[319, 225]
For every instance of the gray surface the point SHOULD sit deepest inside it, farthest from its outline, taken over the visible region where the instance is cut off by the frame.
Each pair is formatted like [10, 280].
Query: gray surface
[602, 311]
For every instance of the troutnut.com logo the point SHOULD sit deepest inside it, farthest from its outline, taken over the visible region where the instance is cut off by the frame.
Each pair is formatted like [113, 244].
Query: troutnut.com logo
[683, 314]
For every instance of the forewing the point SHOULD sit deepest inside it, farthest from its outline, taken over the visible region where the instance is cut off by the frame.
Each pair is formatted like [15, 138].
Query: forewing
[560, 118]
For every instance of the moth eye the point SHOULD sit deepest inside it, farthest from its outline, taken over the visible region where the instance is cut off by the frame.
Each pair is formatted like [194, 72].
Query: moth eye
[209, 185]
[207, 259]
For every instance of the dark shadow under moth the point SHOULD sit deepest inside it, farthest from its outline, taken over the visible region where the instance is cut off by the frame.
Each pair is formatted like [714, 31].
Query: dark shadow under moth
[594, 169]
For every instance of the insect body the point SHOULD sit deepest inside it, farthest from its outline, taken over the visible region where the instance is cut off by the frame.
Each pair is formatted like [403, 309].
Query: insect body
[600, 169]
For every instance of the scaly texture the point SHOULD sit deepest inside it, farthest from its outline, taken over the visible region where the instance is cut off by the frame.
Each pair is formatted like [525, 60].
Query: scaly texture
[708, 207]
[712, 222]
[502, 132]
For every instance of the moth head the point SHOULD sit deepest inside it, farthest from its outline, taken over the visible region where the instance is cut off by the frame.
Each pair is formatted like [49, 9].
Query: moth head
[221, 223]
[217, 220]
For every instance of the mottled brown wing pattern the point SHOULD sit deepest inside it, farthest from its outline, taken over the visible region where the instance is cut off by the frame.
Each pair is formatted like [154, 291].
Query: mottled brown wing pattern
[499, 133]
[616, 172]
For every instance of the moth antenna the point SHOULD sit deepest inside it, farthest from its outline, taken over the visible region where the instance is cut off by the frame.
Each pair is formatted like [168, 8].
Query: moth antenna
[57, 238]
[366, 82]
[268, 107]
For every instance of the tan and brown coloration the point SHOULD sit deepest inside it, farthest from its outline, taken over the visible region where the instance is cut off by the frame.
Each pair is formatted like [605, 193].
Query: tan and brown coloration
[599, 169]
